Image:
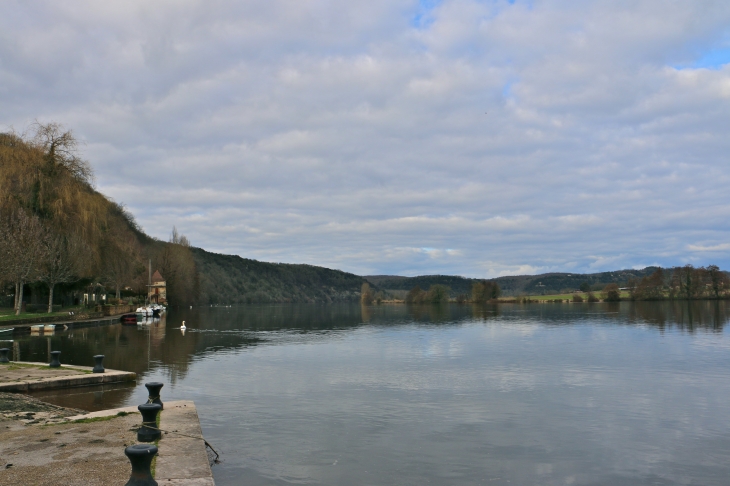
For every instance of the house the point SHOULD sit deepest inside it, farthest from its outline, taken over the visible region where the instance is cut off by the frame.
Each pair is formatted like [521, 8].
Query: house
[158, 289]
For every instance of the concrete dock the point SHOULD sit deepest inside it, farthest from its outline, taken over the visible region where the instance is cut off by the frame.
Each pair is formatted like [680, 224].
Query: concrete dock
[182, 458]
[20, 376]
[88, 449]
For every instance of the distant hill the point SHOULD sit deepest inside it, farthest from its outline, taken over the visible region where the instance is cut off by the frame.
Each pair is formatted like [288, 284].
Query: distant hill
[230, 279]
[548, 283]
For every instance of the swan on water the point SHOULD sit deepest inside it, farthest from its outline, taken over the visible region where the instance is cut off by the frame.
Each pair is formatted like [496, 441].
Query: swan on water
[182, 328]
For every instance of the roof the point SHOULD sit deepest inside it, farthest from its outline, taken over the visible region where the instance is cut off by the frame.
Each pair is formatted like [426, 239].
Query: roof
[156, 277]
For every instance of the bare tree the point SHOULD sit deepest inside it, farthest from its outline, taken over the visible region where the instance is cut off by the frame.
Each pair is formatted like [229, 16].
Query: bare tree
[60, 150]
[61, 262]
[23, 250]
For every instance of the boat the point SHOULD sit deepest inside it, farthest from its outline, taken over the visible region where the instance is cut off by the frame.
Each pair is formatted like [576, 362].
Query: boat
[143, 312]
[128, 319]
[157, 309]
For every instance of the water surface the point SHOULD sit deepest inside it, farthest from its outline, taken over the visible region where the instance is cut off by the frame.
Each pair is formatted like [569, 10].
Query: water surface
[579, 394]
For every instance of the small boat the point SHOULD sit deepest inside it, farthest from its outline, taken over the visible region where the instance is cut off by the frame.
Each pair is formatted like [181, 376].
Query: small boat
[49, 328]
[6, 330]
[129, 319]
[157, 309]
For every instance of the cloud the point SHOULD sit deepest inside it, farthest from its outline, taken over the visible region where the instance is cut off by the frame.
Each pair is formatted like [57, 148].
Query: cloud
[505, 137]
[700, 248]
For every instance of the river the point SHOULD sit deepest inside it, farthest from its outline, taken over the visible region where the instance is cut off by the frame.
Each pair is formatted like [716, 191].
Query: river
[549, 394]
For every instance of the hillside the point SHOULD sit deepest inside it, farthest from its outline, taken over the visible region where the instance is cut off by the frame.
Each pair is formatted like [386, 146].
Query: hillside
[230, 279]
[548, 283]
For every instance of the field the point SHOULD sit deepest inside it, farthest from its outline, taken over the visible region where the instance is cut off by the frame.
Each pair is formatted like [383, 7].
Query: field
[624, 295]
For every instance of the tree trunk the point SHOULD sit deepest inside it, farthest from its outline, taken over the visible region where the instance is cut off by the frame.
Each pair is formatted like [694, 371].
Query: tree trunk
[118, 293]
[15, 305]
[50, 297]
[20, 298]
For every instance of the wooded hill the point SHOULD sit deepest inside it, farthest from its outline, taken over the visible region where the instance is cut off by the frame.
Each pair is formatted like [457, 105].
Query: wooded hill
[58, 233]
[230, 279]
[545, 284]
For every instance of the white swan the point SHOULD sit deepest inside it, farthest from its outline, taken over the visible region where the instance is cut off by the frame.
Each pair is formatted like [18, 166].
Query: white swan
[182, 328]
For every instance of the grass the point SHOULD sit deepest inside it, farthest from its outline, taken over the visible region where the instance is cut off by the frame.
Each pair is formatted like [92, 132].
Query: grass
[92, 419]
[9, 314]
[624, 295]
[66, 367]
[14, 365]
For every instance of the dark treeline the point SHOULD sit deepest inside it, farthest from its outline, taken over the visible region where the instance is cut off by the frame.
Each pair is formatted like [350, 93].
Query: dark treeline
[513, 286]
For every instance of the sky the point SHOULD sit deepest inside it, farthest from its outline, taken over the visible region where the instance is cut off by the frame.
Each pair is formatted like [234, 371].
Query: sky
[459, 137]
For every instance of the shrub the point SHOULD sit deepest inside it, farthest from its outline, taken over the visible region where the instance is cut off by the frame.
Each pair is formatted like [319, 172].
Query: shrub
[592, 297]
[612, 293]
[577, 298]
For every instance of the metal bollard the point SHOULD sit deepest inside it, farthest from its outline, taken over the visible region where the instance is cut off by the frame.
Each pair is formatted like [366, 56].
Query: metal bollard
[4, 355]
[98, 367]
[153, 390]
[55, 359]
[141, 455]
[148, 432]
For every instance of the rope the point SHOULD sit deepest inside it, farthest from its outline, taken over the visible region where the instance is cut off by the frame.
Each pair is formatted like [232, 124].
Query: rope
[217, 456]
[152, 399]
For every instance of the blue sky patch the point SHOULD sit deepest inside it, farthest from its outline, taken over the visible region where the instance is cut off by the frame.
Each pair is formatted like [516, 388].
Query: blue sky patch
[423, 18]
[712, 59]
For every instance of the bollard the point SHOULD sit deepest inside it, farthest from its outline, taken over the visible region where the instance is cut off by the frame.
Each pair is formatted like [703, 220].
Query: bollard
[149, 413]
[55, 359]
[153, 390]
[4, 355]
[141, 455]
[98, 367]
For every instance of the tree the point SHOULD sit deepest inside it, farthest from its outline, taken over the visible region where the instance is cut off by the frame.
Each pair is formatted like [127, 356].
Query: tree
[585, 287]
[438, 294]
[651, 287]
[611, 293]
[61, 260]
[687, 282]
[718, 280]
[60, 151]
[120, 253]
[176, 263]
[22, 250]
[366, 295]
[484, 291]
[415, 295]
